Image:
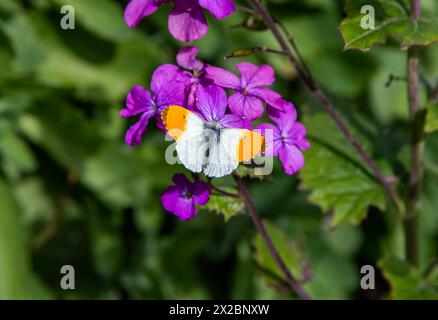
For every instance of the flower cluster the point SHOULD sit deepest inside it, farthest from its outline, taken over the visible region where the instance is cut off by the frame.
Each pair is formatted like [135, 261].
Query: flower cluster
[203, 88]
[186, 20]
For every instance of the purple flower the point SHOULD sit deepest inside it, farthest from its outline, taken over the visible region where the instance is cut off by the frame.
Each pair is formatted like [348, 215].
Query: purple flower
[182, 197]
[195, 70]
[285, 139]
[250, 89]
[211, 102]
[186, 21]
[167, 85]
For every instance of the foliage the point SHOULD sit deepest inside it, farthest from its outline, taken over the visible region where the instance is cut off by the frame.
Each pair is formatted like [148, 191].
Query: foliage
[339, 182]
[392, 20]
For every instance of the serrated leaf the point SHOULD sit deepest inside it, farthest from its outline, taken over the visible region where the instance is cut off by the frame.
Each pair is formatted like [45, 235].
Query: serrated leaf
[336, 179]
[391, 20]
[424, 32]
[432, 117]
[288, 250]
[406, 281]
[356, 37]
[227, 206]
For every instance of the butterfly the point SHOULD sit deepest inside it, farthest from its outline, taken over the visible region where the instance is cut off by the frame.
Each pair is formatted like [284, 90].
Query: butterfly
[207, 147]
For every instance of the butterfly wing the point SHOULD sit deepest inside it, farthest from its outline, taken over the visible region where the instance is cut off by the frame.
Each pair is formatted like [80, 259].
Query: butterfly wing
[187, 129]
[234, 146]
[200, 149]
[222, 153]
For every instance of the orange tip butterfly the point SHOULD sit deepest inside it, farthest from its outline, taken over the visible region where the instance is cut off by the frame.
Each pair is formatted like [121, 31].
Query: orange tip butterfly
[206, 147]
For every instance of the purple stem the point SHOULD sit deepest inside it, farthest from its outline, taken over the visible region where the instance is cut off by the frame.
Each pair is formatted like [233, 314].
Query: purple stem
[417, 147]
[293, 283]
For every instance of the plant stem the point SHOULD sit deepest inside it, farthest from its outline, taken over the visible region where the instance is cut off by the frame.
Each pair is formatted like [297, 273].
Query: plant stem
[292, 282]
[326, 104]
[248, 51]
[417, 146]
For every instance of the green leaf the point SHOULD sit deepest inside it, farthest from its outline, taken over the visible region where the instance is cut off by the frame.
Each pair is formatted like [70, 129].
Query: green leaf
[288, 250]
[432, 117]
[356, 37]
[391, 20]
[35, 204]
[68, 136]
[28, 50]
[406, 281]
[338, 181]
[425, 32]
[40, 48]
[16, 151]
[16, 278]
[225, 205]
[119, 179]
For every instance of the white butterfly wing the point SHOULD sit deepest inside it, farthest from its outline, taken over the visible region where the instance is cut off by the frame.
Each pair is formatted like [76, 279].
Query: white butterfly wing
[190, 146]
[222, 153]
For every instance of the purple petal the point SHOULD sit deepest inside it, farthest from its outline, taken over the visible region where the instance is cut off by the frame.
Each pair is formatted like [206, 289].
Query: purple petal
[160, 124]
[186, 58]
[169, 198]
[291, 158]
[139, 100]
[191, 96]
[166, 75]
[137, 9]
[218, 8]
[187, 21]
[254, 76]
[286, 120]
[171, 95]
[201, 193]
[235, 121]
[222, 78]
[135, 132]
[185, 208]
[245, 106]
[211, 102]
[298, 136]
[181, 181]
[271, 97]
[272, 138]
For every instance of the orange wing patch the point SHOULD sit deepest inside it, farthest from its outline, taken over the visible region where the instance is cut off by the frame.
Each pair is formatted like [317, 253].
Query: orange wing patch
[175, 120]
[251, 144]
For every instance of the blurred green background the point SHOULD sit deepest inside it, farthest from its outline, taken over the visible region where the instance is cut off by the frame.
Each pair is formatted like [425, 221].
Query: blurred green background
[72, 192]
